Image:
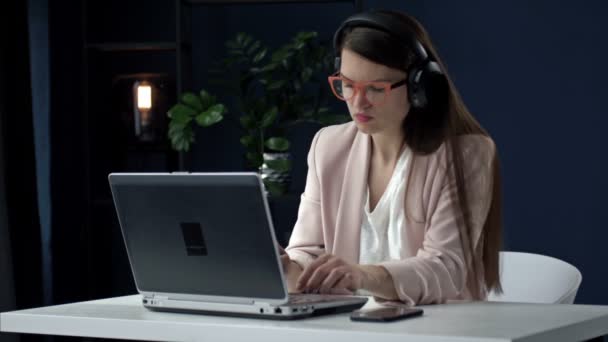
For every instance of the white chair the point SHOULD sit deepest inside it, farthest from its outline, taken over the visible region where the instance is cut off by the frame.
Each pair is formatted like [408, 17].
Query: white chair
[535, 278]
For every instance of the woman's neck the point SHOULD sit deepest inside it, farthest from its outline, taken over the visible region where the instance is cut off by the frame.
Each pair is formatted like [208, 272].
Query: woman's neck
[386, 148]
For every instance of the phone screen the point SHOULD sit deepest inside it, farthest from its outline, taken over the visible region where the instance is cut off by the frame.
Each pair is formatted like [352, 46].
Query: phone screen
[385, 314]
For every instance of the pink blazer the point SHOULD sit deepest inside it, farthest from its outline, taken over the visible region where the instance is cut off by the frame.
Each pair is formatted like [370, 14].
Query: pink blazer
[431, 268]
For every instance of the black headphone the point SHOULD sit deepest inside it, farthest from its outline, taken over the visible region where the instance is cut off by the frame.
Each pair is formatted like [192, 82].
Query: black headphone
[423, 72]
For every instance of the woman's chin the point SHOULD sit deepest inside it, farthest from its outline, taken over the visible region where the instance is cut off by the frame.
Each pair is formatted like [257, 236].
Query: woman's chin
[366, 127]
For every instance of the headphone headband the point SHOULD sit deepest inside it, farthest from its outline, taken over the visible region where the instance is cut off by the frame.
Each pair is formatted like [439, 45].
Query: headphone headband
[385, 23]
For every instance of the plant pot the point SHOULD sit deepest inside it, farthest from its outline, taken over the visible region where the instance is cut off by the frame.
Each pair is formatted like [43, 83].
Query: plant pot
[277, 182]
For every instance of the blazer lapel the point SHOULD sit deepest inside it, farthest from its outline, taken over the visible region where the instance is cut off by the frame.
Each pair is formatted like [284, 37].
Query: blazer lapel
[350, 209]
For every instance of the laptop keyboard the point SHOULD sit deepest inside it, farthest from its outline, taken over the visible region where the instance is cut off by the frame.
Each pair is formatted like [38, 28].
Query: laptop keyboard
[313, 298]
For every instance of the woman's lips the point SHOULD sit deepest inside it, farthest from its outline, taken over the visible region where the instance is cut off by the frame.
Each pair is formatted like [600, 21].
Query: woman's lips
[362, 117]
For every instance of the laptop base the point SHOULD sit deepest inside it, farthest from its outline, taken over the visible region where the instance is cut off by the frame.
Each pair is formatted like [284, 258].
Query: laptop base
[276, 317]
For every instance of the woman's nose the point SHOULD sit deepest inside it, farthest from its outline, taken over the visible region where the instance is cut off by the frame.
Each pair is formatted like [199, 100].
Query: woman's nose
[360, 100]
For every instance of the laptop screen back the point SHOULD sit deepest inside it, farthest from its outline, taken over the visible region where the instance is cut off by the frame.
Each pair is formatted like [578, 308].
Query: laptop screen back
[199, 234]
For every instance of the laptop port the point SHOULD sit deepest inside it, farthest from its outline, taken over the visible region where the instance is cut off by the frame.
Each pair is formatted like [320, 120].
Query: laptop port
[295, 310]
[262, 310]
[278, 310]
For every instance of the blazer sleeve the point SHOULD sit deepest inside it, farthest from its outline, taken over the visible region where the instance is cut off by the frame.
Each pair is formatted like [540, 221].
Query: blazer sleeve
[307, 235]
[438, 271]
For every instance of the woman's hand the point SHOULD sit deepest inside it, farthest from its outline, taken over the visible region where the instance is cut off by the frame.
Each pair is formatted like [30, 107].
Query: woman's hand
[291, 270]
[285, 260]
[330, 274]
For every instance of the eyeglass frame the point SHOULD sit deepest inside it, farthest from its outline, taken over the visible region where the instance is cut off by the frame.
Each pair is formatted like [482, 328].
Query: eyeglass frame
[360, 85]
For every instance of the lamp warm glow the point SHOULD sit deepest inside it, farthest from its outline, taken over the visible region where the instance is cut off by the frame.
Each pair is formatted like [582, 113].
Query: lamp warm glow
[142, 110]
[144, 97]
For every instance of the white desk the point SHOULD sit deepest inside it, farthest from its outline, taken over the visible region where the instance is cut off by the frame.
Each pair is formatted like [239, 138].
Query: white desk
[125, 318]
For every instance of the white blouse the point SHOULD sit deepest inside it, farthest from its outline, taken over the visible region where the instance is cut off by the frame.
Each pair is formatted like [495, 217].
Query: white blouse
[382, 228]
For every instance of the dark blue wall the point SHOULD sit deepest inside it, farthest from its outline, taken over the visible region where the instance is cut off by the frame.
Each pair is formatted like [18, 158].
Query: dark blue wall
[531, 72]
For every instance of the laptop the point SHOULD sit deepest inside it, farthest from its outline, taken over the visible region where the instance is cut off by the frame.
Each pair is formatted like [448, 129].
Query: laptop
[205, 243]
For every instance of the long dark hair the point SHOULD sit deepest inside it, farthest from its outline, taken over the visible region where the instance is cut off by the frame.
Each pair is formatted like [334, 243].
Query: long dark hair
[443, 120]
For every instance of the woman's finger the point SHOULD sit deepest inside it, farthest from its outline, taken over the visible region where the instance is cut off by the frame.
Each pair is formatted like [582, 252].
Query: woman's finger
[345, 283]
[310, 269]
[319, 275]
[316, 278]
[331, 280]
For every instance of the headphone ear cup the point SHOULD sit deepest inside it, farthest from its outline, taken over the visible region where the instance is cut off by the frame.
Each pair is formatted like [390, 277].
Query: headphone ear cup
[423, 82]
[415, 89]
[427, 120]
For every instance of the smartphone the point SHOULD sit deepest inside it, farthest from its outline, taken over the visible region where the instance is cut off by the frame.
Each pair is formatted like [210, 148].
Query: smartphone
[388, 314]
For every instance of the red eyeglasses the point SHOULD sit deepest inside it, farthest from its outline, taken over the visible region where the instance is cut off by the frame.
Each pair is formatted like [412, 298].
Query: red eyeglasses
[376, 92]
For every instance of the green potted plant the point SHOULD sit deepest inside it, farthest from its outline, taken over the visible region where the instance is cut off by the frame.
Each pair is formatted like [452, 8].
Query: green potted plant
[202, 109]
[273, 93]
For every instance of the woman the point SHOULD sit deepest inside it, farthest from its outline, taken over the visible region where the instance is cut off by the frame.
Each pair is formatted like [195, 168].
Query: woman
[402, 203]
